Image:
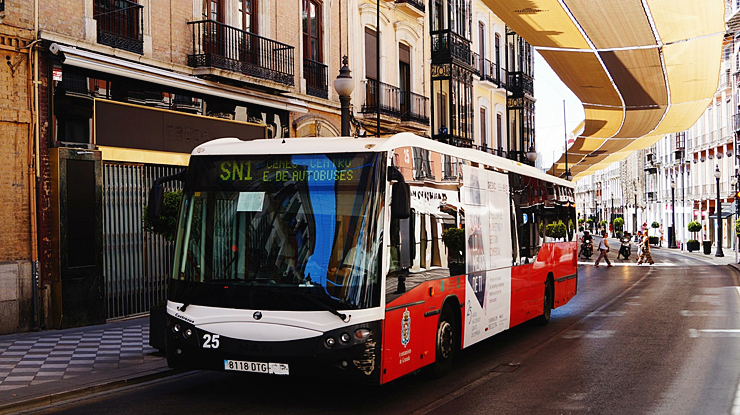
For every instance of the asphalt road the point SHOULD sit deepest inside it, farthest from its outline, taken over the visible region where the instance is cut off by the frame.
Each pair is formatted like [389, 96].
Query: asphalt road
[662, 339]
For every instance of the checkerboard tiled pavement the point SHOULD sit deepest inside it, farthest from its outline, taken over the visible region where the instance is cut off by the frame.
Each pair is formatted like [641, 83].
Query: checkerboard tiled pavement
[54, 362]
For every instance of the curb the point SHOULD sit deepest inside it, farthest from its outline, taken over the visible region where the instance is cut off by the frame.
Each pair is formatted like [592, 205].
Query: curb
[59, 397]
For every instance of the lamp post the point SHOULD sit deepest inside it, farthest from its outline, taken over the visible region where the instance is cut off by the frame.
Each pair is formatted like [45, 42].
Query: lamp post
[672, 242]
[734, 186]
[719, 216]
[344, 84]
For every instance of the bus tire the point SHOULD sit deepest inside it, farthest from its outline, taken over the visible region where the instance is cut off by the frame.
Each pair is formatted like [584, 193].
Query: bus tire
[547, 303]
[446, 345]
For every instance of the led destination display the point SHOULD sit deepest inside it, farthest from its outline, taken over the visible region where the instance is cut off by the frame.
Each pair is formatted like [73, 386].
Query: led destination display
[239, 172]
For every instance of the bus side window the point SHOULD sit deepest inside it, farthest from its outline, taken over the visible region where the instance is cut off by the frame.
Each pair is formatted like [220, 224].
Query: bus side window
[400, 252]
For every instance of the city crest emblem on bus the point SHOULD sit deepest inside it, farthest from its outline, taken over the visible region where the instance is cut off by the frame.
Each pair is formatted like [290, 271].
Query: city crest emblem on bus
[406, 328]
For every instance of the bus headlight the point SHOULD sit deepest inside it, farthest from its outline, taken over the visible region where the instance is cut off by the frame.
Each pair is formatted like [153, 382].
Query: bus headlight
[187, 333]
[330, 342]
[176, 328]
[345, 338]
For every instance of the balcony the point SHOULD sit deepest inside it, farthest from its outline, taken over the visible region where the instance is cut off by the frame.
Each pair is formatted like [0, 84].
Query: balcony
[413, 7]
[448, 46]
[414, 108]
[316, 76]
[216, 45]
[489, 71]
[520, 84]
[393, 102]
[119, 24]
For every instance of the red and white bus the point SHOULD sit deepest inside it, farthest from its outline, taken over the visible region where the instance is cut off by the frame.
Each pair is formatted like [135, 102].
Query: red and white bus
[325, 257]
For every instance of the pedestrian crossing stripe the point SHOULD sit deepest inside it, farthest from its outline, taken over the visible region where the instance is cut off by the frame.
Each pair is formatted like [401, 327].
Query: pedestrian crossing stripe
[629, 264]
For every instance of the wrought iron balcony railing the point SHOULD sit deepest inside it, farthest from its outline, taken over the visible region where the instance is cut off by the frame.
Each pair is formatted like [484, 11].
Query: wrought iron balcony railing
[489, 71]
[393, 101]
[224, 47]
[119, 24]
[316, 76]
[418, 4]
[414, 107]
[382, 97]
[520, 84]
[449, 46]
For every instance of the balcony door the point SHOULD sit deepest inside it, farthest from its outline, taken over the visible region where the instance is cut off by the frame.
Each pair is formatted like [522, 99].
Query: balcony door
[249, 42]
[404, 66]
[314, 70]
[215, 36]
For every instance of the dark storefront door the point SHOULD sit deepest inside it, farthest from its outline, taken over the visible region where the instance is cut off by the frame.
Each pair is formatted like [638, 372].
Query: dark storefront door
[78, 291]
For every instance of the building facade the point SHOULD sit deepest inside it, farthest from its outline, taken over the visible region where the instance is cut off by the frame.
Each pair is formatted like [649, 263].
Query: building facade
[107, 95]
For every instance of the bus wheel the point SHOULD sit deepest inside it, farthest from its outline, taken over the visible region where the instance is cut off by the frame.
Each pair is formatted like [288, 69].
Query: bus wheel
[547, 304]
[446, 347]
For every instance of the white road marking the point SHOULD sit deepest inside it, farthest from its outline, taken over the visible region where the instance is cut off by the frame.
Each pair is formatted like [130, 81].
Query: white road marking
[703, 313]
[714, 333]
[591, 334]
[628, 264]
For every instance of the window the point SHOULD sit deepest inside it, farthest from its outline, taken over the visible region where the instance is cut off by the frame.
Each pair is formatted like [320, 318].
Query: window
[497, 55]
[248, 15]
[312, 29]
[404, 77]
[499, 133]
[483, 129]
[119, 24]
[371, 54]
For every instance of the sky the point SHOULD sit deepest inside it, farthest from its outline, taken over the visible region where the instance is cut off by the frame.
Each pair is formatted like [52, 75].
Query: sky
[550, 92]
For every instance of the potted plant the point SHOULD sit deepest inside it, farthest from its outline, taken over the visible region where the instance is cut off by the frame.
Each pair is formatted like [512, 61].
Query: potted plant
[454, 240]
[693, 244]
[556, 230]
[166, 226]
[603, 224]
[619, 226]
[590, 223]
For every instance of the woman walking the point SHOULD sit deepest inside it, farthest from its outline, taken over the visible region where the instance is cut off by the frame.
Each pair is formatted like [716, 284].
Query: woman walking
[645, 251]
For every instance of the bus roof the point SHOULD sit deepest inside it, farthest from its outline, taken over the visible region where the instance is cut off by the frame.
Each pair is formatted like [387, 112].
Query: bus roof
[312, 145]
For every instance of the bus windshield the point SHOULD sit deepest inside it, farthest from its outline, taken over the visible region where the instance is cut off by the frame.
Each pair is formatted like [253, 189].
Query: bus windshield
[281, 232]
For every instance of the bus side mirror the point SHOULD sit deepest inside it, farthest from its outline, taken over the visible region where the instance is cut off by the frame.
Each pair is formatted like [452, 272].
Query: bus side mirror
[400, 195]
[156, 195]
[156, 198]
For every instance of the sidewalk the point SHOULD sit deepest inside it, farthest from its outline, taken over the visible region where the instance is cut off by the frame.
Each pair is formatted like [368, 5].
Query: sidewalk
[42, 368]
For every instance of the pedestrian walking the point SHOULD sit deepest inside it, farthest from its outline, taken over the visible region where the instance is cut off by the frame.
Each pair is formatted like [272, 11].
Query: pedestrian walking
[645, 251]
[638, 242]
[604, 249]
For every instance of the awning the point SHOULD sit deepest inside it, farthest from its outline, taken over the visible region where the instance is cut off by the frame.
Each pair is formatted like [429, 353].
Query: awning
[103, 63]
[725, 215]
[642, 68]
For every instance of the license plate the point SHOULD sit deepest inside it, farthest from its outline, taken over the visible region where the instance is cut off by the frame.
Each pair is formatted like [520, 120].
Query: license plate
[256, 367]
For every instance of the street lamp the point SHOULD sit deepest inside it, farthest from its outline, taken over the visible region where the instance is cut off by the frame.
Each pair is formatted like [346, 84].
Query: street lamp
[532, 154]
[719, 216]
[344, 85]
[672, 242]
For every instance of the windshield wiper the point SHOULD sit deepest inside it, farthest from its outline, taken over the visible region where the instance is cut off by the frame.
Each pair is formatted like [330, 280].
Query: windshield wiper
[326, 307]
[312, 298]
[199, 293]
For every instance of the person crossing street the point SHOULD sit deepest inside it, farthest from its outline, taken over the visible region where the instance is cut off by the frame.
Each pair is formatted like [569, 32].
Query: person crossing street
[604, 250]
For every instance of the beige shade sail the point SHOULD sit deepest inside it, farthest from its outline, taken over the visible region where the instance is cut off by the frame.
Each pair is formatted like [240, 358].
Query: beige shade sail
[641, 68]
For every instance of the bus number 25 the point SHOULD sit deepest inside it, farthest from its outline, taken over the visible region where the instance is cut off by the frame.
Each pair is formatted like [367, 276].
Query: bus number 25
[210, 341]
